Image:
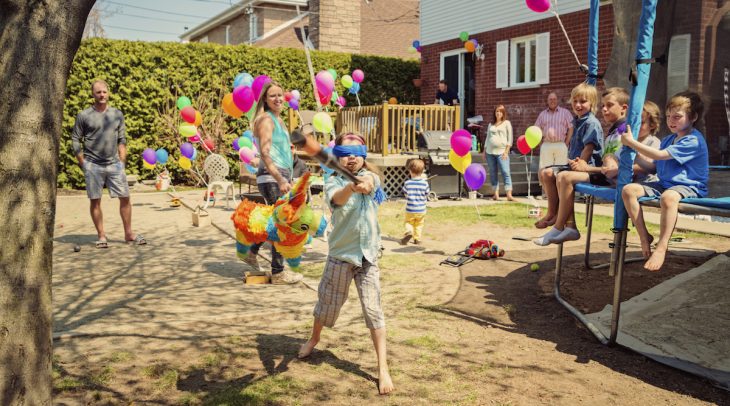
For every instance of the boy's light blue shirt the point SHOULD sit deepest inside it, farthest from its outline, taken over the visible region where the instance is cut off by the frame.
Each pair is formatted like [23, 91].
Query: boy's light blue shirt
[689, 165]
[588, 130]
[356, 232]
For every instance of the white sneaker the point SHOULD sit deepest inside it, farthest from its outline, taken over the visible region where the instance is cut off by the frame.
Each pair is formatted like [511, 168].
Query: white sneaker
[286, 277]
[548, 237]
[568, 234]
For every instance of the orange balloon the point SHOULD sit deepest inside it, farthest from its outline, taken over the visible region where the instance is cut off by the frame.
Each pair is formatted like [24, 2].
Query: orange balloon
[198, 119]
[469, 46]
[392, 100]
[229, 107]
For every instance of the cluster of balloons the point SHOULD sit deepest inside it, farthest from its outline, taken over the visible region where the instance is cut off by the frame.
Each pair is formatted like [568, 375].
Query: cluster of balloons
[246, 147]
[246, 91]
[538, 6]
[150, 157]
[292, 98]
[191, 119]
[531, 139]
[415, 46]
[188, 153]
[460, 159]
[469, 44]
[352, 82]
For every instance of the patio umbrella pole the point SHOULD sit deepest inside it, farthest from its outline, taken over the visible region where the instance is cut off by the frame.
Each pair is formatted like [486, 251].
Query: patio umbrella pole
[309, 64]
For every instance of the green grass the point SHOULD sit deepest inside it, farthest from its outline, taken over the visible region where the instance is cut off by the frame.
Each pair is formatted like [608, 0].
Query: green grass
[312, 270]
[428, 342]
[267, 391]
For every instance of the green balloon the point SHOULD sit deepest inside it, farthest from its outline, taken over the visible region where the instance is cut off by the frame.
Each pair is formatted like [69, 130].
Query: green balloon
[333, 73]
[464, 36]
[245, 142]
[183, 102]
[346, 81]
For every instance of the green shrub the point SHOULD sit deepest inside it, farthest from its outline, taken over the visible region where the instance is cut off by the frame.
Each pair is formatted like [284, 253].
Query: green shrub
[145, 80]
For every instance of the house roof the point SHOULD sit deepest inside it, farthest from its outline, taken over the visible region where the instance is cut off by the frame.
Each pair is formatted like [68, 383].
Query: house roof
[232, 12]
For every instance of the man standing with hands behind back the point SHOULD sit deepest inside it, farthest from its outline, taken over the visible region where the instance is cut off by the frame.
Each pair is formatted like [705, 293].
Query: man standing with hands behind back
[556, 124]
[101, 132]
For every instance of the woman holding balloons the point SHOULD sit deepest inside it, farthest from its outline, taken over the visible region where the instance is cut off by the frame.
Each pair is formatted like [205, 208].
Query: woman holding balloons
[496, 147]
[275, 168]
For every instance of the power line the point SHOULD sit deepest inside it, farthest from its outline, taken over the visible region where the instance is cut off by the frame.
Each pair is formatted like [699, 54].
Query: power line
[155, 10]
[155, 19]
[134, 29]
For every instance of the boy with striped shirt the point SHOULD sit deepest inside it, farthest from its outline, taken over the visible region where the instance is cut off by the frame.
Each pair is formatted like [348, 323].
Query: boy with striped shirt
[416, 191]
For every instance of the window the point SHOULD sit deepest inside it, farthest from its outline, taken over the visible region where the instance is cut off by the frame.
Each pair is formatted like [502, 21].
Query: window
[678, 64]
[253, 23]
[523, 62]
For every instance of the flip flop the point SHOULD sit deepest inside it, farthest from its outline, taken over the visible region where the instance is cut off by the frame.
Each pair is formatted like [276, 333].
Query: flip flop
[102, 244]
[138, 240]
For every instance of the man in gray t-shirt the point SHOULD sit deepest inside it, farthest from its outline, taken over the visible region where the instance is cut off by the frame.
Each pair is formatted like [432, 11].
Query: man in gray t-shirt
[100, 145]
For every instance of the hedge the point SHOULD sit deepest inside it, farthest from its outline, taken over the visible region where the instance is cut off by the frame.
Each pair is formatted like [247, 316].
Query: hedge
[146, 78]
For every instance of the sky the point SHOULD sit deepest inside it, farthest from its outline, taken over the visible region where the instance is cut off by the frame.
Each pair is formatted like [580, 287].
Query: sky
[156, 20]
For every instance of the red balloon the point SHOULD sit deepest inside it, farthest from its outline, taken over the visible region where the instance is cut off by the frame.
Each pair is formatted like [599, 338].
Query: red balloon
[188, 114]
[209, 144]
[522, 145]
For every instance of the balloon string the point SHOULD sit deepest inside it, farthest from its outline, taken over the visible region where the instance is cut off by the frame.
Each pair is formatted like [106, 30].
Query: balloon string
[357, 96]
[479, 215]
[570, 44]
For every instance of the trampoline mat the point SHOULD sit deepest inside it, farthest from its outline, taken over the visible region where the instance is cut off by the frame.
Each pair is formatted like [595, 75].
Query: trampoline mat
[683, 322]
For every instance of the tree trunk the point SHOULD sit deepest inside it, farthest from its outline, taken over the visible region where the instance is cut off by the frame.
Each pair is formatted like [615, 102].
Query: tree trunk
[38, 40]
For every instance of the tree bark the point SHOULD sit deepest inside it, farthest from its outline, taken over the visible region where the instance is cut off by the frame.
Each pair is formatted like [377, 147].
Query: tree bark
[38, 40]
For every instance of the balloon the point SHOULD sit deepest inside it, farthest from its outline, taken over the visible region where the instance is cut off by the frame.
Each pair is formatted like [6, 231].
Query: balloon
[392, 100]
[460, 143]
[358, 75]
[251, 113]
[469, 46]
[324, 99]
[246, 154]
[251, 169]
[346, 81]
[416, 43]
[195, 155]
[354, 88]
[187, 130]
[474, 176]
[341, 101]
[476, 43]
[538, 6]
[242, 79]
[464, 36]
[522, 145]
[183, 102]
[209, 144]
[419, 49]
[459, 162]
[322, 122]
[331, 144]
[198, 119]
[188, 114]
[295, 94]
[533, 135]
[325, 83]
[184, 163]
[243, 98]
[187, 150]
[248, 134]
[258, 85]
[294, 104]
[149, 156]
[147, 166]
[162, 156]
[229, 107]
[234, 144]
[194, 138]
[244, 142]
[287, 96]
[333, 73]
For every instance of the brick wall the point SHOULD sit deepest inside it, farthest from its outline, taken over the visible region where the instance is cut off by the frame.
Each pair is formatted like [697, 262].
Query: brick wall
[337, 25]
[715, 123]
[524, 105]
[271, 18]
[286, 38]
[389, 28]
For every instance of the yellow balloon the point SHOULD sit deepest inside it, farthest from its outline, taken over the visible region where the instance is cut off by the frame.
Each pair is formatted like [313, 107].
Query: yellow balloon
[460, 163]
[184, 163]
[198, 119]
[187, 130]
[322, 122]
[146, 165]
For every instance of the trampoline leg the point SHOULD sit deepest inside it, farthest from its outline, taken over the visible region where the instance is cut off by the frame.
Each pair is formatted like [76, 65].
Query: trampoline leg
[619, 251]
[589, 229]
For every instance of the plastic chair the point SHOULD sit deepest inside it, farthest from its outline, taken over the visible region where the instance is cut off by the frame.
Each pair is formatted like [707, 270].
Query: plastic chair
[216, 168]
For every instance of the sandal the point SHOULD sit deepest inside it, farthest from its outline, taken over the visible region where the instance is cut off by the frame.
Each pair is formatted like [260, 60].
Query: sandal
[102, 243]
[138, 240]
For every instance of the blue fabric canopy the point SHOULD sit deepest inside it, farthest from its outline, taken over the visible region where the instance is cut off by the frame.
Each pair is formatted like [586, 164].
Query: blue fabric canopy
[645, 41]
[593, 43]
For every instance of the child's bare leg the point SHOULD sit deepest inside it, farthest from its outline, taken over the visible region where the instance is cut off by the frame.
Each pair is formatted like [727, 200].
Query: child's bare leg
[566, 189]
[670, 205]
[549, 184]
[630, 195]
[306, 349]
[385, 383]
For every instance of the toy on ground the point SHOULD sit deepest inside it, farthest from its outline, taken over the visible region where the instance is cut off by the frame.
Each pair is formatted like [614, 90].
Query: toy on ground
[480, 249]
[289, 224]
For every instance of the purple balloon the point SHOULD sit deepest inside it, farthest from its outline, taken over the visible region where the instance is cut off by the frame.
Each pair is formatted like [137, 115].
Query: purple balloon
[234, 144]
[150, 156]
[243, 98]
[474, 176]
[474, 41]
[187, 150]
[460, 143]
[257, 85]
[294, 104]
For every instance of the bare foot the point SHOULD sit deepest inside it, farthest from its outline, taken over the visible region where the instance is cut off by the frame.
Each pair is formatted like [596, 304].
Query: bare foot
[385, 384]
[495, 197]
[546, 221]
[510, 198]
[646, 246]
[656, 260]
[306, 349]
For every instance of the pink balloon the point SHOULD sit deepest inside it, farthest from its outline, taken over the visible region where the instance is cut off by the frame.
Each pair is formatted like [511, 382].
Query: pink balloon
[246, 154]
[331, 144]
[538, 6]
[341, 101]
[188, 114]
[195, 138]
[461, 133]
[460, 144]
[522, 145]
[258, 84]
[243, 98]
[325, 82]
[358, 75]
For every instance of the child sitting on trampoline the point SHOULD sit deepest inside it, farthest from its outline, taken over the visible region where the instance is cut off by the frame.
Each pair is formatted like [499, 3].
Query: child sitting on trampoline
[682, 165]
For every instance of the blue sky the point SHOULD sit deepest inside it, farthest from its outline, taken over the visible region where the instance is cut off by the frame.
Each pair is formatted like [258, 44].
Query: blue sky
[158, 20]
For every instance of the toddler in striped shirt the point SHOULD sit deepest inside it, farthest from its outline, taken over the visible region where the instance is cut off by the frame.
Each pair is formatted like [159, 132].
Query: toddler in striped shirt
[416, 190]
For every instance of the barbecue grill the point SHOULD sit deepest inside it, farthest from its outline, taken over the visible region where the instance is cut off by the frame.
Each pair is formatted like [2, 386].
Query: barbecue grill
[433, 148]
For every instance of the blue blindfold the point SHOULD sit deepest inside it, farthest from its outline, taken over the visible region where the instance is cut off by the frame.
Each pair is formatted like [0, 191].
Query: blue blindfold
[341, 151]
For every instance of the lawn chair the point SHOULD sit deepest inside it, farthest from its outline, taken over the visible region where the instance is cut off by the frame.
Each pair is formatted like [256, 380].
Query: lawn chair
[216, 168]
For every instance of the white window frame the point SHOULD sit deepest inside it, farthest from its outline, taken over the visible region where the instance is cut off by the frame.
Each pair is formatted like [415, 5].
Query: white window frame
[678, 65]
[506, 62]
[513, 44]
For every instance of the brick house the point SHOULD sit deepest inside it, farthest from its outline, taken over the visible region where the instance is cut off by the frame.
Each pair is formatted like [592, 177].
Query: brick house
[376, 27]
[525, 55]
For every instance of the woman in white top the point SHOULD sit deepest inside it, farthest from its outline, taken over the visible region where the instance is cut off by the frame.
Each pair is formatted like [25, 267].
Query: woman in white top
[497, 147]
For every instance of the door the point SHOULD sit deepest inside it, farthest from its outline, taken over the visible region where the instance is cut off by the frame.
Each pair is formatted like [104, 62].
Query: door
[457, 69]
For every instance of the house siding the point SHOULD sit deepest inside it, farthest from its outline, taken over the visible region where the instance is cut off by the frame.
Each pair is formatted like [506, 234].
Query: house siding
[524, 105]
